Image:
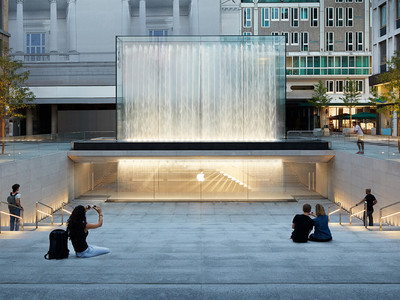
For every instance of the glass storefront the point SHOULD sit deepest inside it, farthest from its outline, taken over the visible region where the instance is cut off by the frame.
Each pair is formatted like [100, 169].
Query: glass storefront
[191, 179]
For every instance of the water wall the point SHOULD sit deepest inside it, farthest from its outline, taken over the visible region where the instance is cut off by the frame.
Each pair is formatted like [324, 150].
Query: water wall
[229, 88]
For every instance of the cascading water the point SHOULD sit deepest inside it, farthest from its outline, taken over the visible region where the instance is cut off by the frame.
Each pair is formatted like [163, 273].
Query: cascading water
[200, 88]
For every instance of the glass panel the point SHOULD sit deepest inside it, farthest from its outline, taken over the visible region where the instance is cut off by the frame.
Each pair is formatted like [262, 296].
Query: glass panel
[302, 71]
[295, 61]
[330, 61]
[309, 71]
[288, 62]
[330, 72]
[316, 61]
[324, 72]
[358, 61]
[337, 62]
[365, 72]
[317, 71]
[351, 71]
[365, 61]
[220, 94]
[35, 39]
[338, 71]
[310, 62]
[302, 61]
[345, 61]
[351, 61]
[358, 71]
[345, 71]
[323, 61]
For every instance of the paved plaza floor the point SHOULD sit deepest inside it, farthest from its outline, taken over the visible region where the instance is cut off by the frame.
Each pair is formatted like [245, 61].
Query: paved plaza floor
[204, 251]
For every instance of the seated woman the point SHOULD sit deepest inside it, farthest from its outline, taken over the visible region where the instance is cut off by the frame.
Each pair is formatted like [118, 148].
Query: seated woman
[321, 231]
[78, 230]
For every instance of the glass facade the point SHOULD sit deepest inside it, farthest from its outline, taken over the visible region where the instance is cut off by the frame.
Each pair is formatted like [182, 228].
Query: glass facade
[200, 179]
[328, 65]
[216, 88]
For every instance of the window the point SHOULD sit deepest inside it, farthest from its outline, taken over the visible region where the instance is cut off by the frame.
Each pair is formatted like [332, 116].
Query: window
[329, 41]
[246, 33]
[398, 9]
[339, 86]
[35, 44]
[382, 55]
[349, 1]
[329, 86]
[314, 17]
[159, 32]
[304, 41]
[397, 42]
[247, 17]
[338, 1]
[359, 85]
[329, 16]
[382, 9]
[359, 41]
[358, 1]
[339, 16]
[295, 38]
[295, 17]
[349, 16]
[265, 17]
[285, 14]
[275, 14]
[349, 41]
[304, 13]
[274, 33]
[286, 34]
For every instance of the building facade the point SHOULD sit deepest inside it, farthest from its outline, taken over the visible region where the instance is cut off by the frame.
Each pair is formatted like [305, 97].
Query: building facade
[326, 40]
[385, 42]
[69, 47]
[4, 35]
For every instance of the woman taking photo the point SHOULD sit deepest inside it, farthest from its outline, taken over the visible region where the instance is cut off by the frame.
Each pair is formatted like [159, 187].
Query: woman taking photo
[321, 231]
[78, 230]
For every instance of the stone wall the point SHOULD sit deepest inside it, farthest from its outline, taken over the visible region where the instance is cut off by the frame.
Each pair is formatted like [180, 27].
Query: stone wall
[48, 179]
[351, 174]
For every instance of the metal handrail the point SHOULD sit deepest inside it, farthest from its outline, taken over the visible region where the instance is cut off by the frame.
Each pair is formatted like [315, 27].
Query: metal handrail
[42, 212]
[62, 211]
[337, 210]
[15, 216]
[380, 214]
[362, 211]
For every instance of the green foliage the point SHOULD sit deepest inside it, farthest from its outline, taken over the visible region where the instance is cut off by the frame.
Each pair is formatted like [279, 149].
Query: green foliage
[320, 99]
[14, 95]
[351, 94]
[390, 100]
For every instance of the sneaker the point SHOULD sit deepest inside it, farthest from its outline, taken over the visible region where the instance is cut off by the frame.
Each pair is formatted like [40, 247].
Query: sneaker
[362, 152]
[359, 152]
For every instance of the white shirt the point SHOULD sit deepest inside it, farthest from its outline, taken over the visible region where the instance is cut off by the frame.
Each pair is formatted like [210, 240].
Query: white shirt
[358, 130]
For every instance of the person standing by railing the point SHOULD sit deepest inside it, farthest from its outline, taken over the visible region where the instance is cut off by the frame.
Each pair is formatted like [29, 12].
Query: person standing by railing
[15, 200]
[371, 201]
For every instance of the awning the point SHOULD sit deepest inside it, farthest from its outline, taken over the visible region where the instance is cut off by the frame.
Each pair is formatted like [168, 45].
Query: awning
[362, 115]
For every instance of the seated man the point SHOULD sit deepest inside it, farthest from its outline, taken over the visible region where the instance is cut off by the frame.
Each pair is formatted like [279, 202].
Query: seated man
[302, 225]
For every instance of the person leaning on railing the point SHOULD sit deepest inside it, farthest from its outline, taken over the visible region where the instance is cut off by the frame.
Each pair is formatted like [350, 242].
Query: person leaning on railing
[371, 201]
[78, 230]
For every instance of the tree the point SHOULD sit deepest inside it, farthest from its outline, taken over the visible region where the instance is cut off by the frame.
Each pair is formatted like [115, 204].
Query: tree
[389, 97]
[14, 95]
[351, 95]
[320, 99]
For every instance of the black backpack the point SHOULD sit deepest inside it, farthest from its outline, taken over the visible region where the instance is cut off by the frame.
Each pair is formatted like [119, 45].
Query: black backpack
[58, 245]
[11, 200]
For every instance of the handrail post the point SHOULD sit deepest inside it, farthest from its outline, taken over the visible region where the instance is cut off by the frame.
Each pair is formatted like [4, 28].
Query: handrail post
[329, 215]
[22, 219]
[0, 222]
[365, 214]
[62, 213]
[351, 212]
[52, 212]
[380, 219]
[37, 215]
[340, 213]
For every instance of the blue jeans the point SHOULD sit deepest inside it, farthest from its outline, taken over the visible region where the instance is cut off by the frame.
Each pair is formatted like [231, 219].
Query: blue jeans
[14, 222]
[92, 251]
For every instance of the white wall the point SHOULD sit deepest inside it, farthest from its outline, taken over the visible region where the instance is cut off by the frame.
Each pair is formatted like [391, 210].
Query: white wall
[209, 17]
[48, 179]
[351, 174]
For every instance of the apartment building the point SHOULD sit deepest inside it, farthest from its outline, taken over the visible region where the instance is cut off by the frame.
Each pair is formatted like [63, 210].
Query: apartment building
[326, 40]
[385, 41]
[4, 35]
[69, 47]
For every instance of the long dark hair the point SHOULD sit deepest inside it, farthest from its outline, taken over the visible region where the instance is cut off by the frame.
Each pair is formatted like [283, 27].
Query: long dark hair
[77, 221]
